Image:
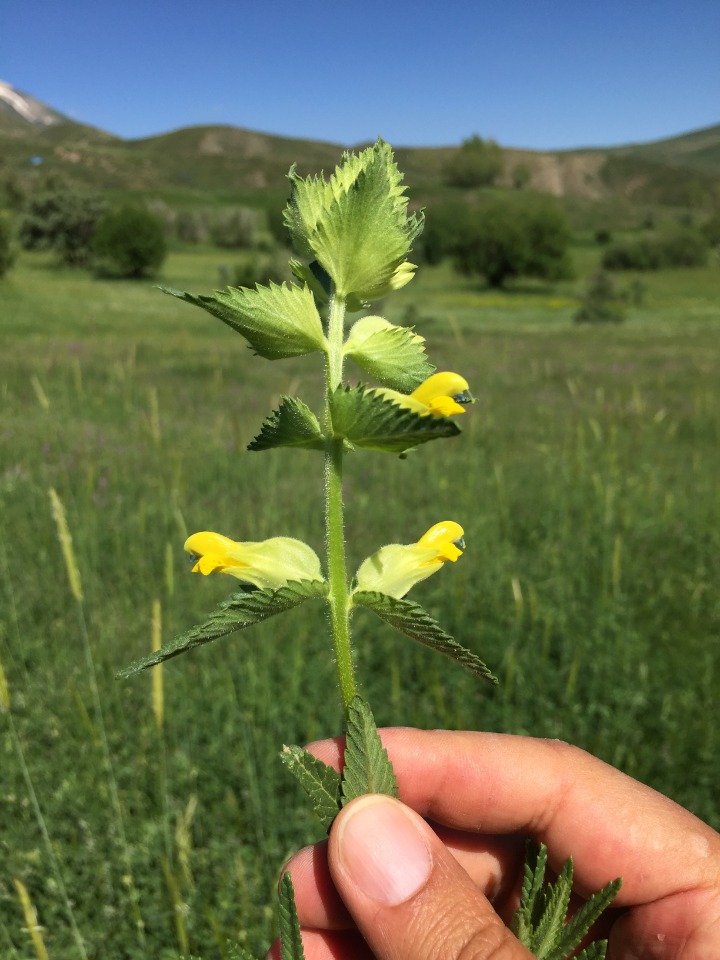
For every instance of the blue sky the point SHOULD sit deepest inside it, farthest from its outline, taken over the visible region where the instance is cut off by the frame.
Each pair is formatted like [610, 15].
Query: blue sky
[541, 75]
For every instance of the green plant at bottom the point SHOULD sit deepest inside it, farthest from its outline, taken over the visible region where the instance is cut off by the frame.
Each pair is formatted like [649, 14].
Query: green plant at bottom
[352, 234]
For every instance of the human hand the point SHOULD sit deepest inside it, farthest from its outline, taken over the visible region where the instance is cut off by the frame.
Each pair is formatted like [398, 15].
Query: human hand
[387, 885]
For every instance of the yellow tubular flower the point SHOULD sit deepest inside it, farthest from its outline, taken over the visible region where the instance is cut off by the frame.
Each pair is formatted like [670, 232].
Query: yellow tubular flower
[441, 395]
[444, 393]
[397, 567]
[267, 564]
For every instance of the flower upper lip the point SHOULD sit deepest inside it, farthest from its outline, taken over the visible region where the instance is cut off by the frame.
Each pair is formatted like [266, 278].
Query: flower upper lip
[441, 395]
[396, 567]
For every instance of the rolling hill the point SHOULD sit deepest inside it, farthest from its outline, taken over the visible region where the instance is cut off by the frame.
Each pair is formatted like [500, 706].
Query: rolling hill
[40, 144]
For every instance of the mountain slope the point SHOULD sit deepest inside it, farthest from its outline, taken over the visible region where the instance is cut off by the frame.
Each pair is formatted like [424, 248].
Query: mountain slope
[38, 141]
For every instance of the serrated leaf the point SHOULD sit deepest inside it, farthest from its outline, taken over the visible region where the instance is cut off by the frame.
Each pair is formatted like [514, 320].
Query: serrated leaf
[236, 952]
[529, 912]
[241, 610]
[293, 424]
[395, 356]
[578, 926]
[410, 618]
[593, 951]
[319, 781]
[539, 921]
[556, 898]
[291, 945]
[368, 419]
[367, 766]
[277, 321]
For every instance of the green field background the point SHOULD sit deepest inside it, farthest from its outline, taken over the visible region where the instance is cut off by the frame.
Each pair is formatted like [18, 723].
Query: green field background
[586, 480]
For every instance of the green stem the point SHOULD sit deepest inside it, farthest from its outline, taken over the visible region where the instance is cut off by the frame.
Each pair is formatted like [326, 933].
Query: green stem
[334, 513]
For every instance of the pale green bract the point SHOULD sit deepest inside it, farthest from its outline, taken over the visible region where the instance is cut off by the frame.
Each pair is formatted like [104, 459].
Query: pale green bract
[277, 321]
[356, 225]
[393, 355]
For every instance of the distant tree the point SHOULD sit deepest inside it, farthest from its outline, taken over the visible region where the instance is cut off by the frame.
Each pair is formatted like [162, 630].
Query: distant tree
[682, 246]
[190, 226]
[14, 192]
[235, 228]
[711, 230]
[515, 238]
[676, 246]
[520, 176]
[7, 244]
[603, 236]
[129, 242]
[628, 253]
[475, 164]
[443, 222]
[61, 221]
[601, 302]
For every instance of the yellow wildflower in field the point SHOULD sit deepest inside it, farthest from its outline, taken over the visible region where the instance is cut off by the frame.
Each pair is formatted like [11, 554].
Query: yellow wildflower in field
[397, 567]
[266, 564]
[441, 395]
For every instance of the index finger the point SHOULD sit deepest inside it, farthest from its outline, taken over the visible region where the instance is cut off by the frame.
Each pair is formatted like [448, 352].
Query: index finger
[577, 805]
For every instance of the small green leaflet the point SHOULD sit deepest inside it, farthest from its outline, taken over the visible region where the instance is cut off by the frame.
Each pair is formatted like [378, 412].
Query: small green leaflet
[318, 780]
[293, 424]
[277, 321]
[291, 946]
[367, 419]
[240, 611]
[540, 922]
[393, 357]
[367, 766]
[410, 618]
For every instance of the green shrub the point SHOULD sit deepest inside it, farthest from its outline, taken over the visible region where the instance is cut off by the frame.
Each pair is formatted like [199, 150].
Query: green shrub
[64, 222]
[7, 244]
[679, 246]
[711, 230]
[443, 222]
[475, 164]
[627, 254]
[129, 242]
[601, 302]
[515, 237]
[683, 247]
[236, 228]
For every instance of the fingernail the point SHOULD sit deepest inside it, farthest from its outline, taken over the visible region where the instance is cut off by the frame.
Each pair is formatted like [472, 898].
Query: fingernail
[382, 851]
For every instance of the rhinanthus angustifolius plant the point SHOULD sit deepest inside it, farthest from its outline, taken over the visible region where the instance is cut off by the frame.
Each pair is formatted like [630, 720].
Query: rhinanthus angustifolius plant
[352, 234]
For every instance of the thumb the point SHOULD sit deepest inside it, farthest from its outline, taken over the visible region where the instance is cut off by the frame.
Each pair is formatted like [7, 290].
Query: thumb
[408, 895]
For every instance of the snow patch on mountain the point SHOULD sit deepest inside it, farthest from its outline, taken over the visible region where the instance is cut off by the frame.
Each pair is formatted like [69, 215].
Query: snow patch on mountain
[26, 107]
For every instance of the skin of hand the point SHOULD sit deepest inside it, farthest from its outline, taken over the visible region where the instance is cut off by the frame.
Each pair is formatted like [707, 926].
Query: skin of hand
[437, 877]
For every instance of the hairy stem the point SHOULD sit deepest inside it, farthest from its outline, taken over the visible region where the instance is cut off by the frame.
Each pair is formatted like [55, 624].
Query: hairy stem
[334, 517]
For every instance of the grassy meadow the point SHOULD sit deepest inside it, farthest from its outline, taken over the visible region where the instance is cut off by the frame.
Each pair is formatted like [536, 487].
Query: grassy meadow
[587, 482]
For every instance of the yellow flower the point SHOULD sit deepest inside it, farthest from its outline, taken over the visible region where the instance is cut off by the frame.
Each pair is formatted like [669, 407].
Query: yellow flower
[397, 567]
[267, 564]
[441, 395]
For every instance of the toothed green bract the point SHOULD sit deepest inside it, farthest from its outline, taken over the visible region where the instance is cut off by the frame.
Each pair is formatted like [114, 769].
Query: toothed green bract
[293, 424]
[319, 781]
[240, 611]
[367, 766]
[370, 420]
[291, 945]
[277, 320]
[410, 618]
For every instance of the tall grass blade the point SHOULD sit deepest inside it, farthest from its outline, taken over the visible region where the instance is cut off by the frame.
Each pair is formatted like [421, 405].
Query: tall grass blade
[66, 544]
[158, 700]
[31, 921]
